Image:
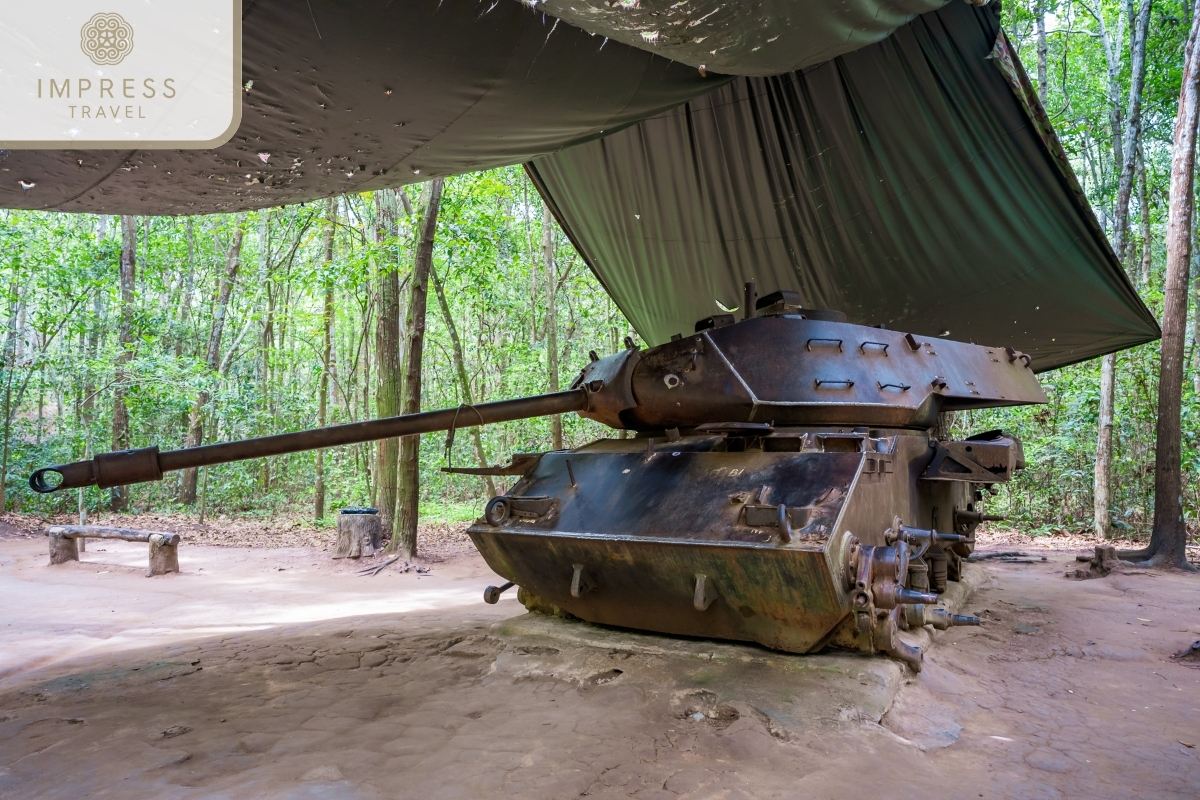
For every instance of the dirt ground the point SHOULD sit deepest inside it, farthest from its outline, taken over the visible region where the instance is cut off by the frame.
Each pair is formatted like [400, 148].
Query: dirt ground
[277, 673]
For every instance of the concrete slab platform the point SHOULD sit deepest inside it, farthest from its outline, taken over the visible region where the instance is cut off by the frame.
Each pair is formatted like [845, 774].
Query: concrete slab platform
[791, 694]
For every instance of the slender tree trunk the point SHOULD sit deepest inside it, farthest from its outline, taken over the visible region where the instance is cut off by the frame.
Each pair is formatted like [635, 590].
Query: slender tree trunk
[264, 365]
[326, 355]
[10, 368]
[1102, 499]
[81, 383]
[267, 345]
[1112, 59]
[387, 356]
[362, 365]
[1147, 236]
[185, 305]
[189, 287]
[1196, 316]
[212, 357]
[410, 389]
[1125, 147]
[556, 433]
[91, 353]
[464, 383]
[81, 500]
[1169, 538]
[41, 417]
[1131, 140]
[365, 368]
[93, 343]
[1042, 77]
[120, 416]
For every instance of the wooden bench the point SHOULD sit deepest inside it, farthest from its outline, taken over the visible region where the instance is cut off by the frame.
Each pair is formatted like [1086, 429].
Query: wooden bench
[164, 547]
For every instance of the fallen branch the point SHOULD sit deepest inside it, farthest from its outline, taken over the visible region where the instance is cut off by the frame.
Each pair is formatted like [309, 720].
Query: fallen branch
[375, 569]
[1005, 554]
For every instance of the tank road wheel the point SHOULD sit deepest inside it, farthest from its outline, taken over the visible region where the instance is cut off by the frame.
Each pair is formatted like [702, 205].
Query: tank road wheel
[497, 511]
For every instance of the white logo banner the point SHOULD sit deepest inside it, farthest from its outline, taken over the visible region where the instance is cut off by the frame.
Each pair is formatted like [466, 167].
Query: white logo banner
[120, 74]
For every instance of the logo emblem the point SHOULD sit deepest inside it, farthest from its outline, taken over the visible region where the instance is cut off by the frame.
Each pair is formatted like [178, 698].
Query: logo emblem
[106, 39]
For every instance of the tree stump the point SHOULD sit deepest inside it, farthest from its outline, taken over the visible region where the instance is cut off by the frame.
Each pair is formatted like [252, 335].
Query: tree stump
[164, 553]
[359, 533]
[63, 548]
[1102, 563]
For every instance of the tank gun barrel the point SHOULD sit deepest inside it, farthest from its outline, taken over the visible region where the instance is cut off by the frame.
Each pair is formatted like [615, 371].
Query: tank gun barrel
[148, 464]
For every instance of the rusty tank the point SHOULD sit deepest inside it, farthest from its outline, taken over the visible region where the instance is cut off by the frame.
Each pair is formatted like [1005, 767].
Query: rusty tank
[787, 482]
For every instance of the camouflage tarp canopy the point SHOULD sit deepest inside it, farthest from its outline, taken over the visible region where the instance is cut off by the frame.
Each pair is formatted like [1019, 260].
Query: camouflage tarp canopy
[887, 159]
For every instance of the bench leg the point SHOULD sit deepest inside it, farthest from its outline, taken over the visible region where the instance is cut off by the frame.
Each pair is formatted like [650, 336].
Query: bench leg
[62, 548]
[164, 555]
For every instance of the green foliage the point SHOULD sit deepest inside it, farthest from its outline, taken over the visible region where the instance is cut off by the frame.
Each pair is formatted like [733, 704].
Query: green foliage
[59, 274]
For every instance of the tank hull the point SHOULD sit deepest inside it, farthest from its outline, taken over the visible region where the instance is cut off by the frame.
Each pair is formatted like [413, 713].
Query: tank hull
[619, 532]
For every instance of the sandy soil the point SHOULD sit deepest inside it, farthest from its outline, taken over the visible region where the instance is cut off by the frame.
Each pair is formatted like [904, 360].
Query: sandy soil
[280, 674]
[1069, 689]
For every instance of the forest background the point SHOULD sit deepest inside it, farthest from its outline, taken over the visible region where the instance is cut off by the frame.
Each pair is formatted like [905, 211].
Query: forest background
[129, 331]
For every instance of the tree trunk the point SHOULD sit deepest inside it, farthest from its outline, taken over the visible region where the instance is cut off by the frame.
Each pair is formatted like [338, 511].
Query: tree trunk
[387, 356]
[365, 370]
[1147, 237]
[1112, 59]
[10, 364]
[1196, 317]
[212, 357]
[81, 497]
[1127, 154]
[92, 352]
[88, 404]
[556, 433]
[1102, 501]
[189, 287]
[1042, 78]
[410, 389]
[326, 354]
[120, 416]
[1169, 537]
[464, 383]
[1125, 148]
[267, 345]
